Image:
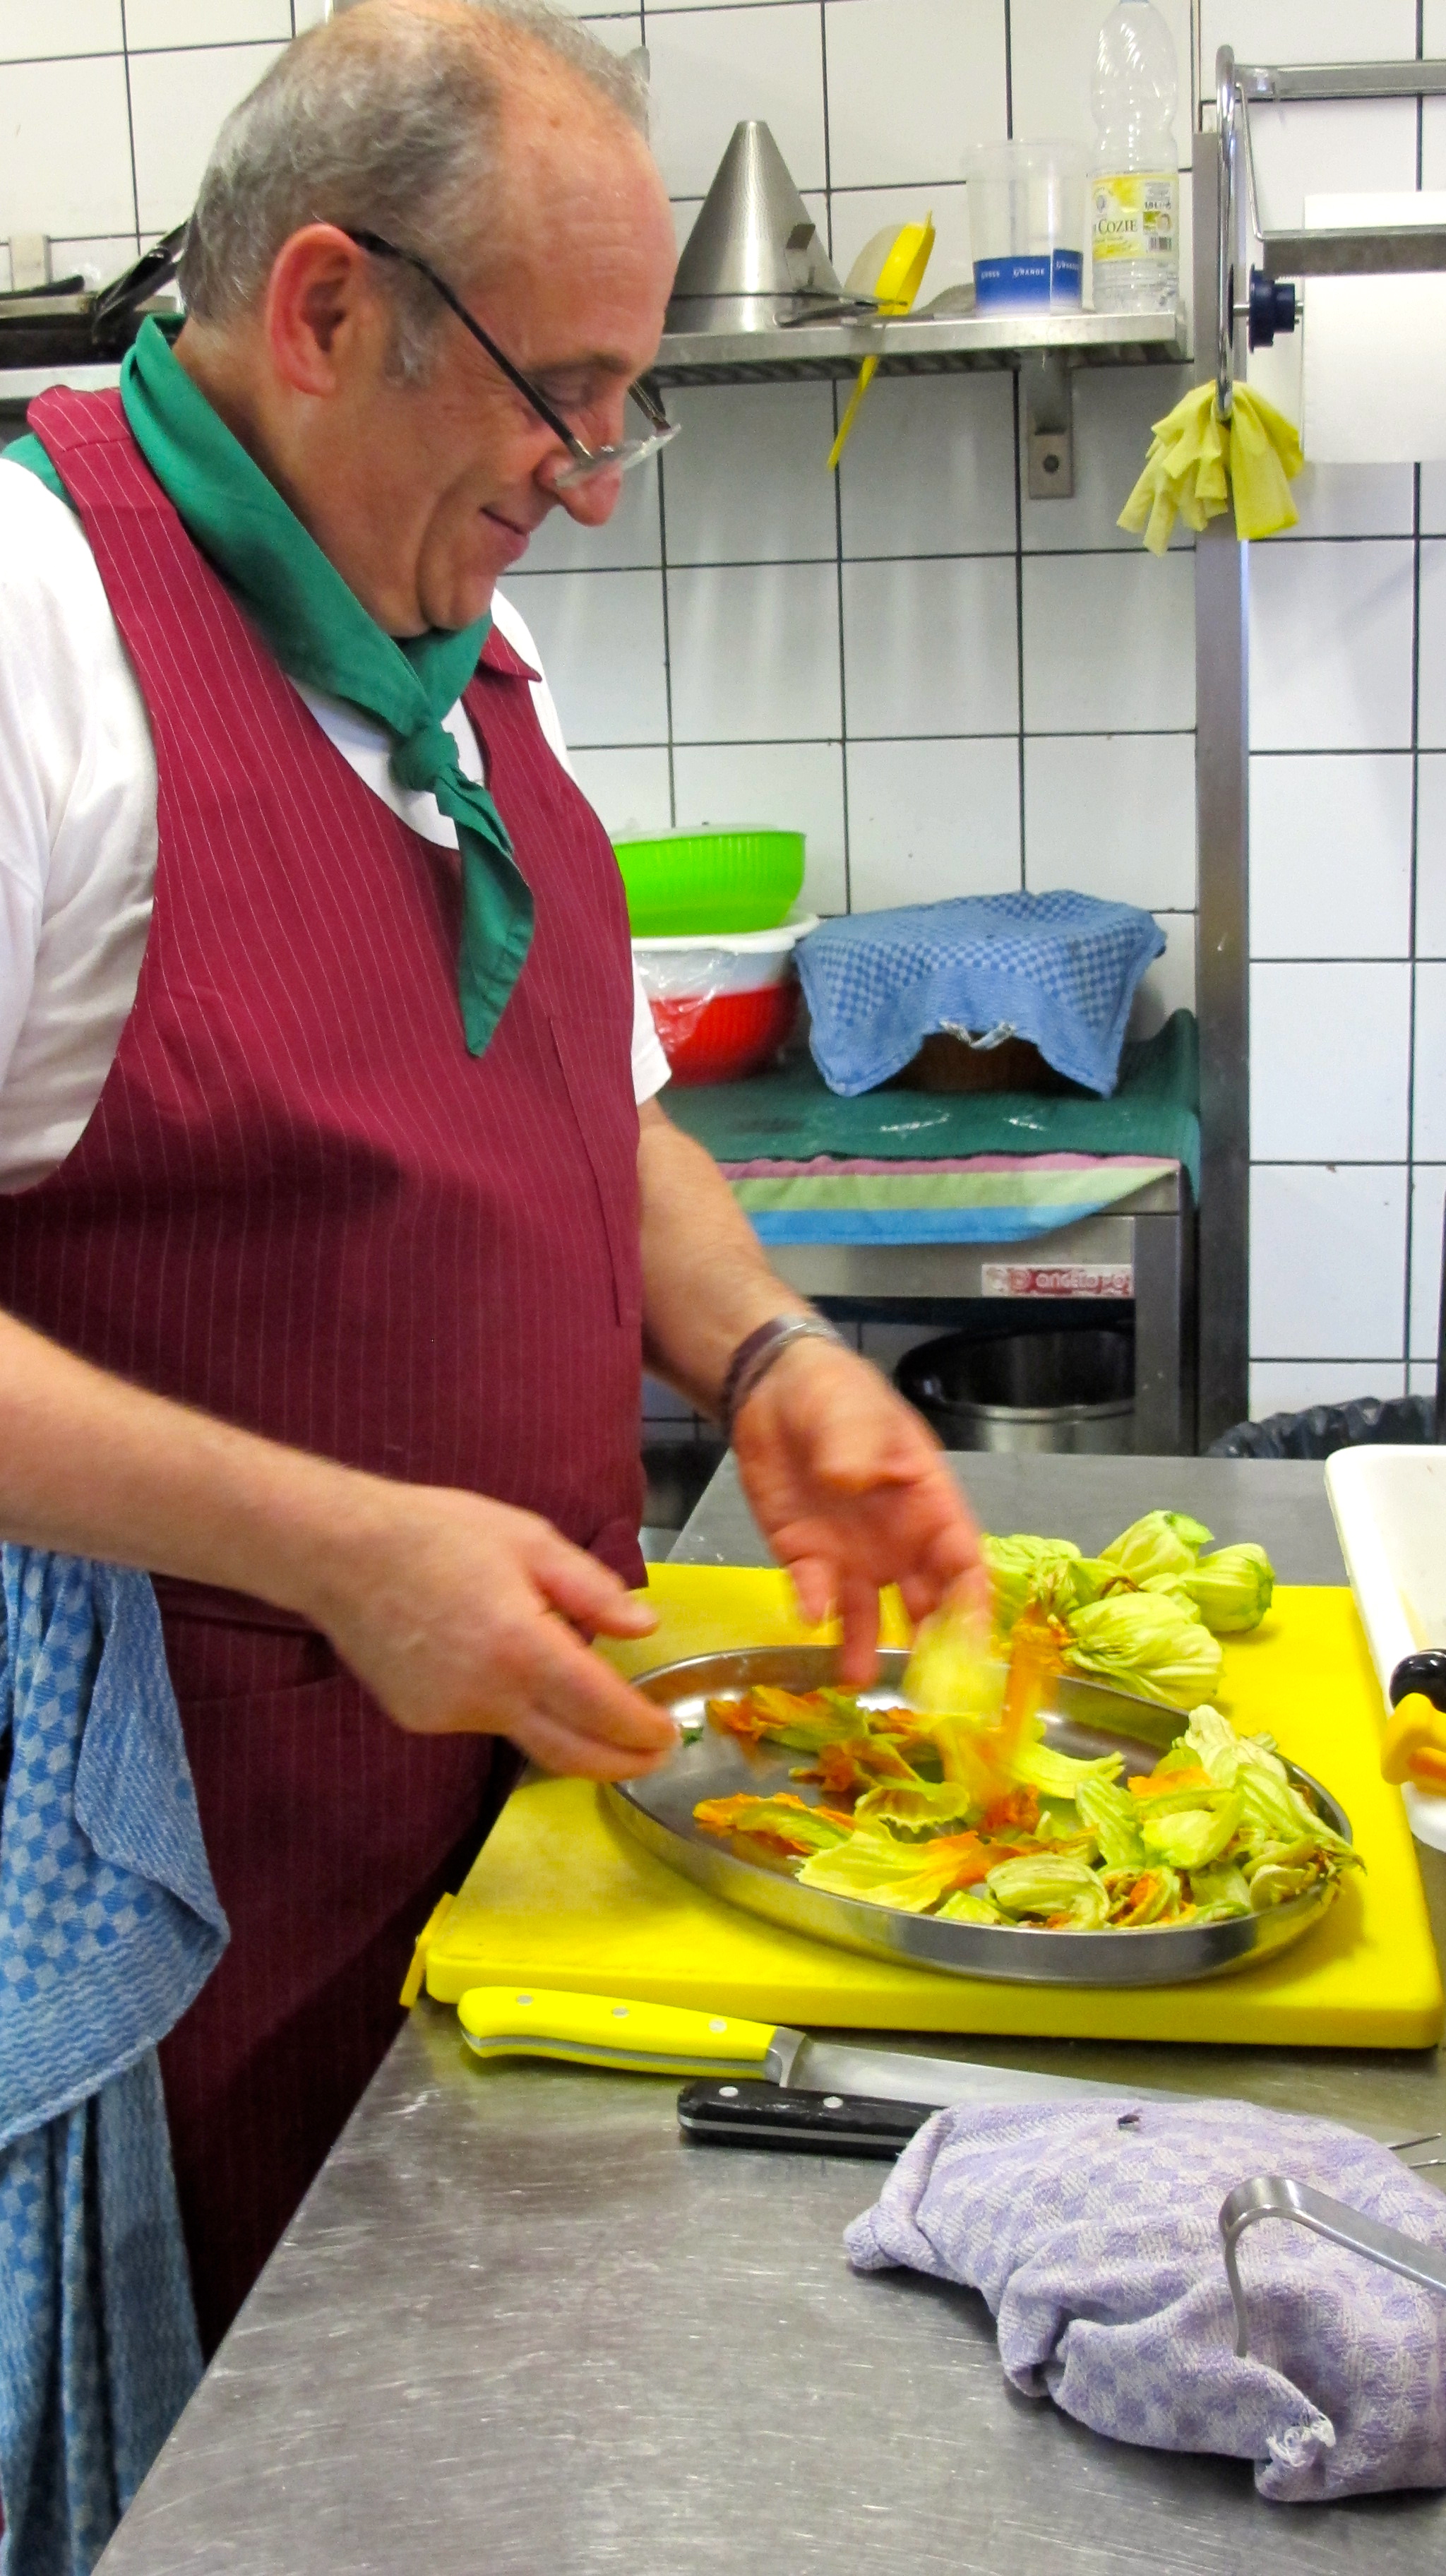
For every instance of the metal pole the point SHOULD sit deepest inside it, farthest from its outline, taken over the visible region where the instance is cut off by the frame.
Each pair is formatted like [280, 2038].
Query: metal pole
[1223, 963]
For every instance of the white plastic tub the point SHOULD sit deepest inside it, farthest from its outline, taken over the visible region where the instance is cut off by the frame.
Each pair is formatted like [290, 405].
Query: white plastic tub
[1390, 1515]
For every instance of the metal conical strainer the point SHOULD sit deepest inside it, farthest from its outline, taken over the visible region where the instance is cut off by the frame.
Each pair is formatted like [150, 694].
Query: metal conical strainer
[754, 259]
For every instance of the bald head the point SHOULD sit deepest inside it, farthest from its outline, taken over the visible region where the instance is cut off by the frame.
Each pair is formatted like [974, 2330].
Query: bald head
[500, 145]
[456, 128]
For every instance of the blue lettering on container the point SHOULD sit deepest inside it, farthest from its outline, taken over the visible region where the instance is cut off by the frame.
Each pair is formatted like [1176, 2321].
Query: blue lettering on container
[1044, 279]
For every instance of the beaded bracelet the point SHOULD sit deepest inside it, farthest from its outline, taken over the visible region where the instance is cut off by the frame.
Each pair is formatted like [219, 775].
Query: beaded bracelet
[756, 1354]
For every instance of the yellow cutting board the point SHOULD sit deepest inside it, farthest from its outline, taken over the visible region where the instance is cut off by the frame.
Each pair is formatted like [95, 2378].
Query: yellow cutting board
[562, 1896]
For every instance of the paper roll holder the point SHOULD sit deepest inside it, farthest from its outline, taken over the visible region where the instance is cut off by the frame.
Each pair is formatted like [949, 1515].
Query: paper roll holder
[1272, 305]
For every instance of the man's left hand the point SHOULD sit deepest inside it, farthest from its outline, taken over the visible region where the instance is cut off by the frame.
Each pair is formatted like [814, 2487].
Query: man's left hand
[851, 1490]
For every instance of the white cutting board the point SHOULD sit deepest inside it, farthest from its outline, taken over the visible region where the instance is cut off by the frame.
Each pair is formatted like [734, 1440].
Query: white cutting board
[1390, 1514]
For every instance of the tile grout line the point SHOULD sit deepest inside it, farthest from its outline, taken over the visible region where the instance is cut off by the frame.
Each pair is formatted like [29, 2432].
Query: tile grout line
[746, 741]
[130, 125]
[1018, 493]
[667, 644]
[1406, 1285]
[848, 872]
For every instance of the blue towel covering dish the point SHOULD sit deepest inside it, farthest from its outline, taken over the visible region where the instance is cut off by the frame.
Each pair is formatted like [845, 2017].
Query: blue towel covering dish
[109, 1927]
[1059, 969]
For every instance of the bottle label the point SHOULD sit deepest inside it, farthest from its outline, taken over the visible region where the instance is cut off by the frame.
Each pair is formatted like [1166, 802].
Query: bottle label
[1134, 215]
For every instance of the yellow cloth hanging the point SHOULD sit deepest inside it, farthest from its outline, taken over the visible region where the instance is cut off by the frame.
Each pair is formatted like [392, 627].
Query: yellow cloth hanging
[1197, 461]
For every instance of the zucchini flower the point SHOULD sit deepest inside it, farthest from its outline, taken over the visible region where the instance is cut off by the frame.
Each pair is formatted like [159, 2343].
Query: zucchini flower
[1025, 1570]
[1145, 1642]
[1066, 1892]
[1162, 1543]
[1194, 1836]
[1232, 1589]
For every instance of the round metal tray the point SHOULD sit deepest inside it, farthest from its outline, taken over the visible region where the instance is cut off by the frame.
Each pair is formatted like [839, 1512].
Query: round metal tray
[1080, 1717]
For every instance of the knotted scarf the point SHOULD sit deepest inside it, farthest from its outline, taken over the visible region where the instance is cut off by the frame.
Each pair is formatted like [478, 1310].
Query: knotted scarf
[323, 637]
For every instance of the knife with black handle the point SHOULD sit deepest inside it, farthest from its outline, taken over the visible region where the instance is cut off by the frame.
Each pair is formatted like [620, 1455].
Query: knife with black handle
[774, 2115]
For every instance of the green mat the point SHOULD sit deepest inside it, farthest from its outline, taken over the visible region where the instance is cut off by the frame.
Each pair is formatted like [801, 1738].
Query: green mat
[792, 1115]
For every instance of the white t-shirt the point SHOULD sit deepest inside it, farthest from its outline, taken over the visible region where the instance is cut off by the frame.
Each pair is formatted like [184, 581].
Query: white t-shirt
[78, 826]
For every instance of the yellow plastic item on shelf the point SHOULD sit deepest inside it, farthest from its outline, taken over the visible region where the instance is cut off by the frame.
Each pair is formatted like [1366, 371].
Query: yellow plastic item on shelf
[1414, 1745]
[1198, 463]
[897, 283]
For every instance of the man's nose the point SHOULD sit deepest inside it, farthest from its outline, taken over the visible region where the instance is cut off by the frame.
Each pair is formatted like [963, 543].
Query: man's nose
[594, 499]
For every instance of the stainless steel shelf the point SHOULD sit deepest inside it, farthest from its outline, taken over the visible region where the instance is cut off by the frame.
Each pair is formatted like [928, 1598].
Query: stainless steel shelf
[20, 385]
[923, 345]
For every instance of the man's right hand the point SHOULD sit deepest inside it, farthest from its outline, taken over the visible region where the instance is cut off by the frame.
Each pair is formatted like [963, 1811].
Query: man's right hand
[462, 1616]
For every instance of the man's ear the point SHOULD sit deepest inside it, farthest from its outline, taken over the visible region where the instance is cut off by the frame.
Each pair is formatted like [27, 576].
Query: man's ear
[320, 300]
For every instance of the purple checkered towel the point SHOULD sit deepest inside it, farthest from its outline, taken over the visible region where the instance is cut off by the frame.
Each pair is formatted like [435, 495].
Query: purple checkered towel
[1093, 2234]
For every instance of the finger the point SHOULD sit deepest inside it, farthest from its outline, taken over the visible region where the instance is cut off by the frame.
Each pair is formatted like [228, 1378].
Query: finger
[920, 1595]
[632, 1616]
[858, 1660]
[577, 1757]
[587, 1592]
[582, 1693]
[812, 1578]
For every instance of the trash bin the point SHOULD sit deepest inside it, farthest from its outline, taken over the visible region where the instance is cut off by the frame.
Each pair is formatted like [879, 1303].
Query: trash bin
[1050, 1388]
[1394, 1421]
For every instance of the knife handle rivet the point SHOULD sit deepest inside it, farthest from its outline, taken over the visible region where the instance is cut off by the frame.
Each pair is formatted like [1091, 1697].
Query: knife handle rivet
[717, 2025]
[523, 1999]
[620, 2012]
[833, 2101]
[728, 2092]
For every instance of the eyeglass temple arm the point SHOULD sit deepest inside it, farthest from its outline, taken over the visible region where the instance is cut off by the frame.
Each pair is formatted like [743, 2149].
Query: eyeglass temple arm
[515, 377]
[642, 392]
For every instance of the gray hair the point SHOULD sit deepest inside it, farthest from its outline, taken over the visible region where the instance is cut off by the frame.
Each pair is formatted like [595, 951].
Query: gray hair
[387, 119]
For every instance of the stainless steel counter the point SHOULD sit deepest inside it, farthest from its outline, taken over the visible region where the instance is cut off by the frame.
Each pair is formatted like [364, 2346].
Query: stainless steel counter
[1281, 1502]
[519, 2330]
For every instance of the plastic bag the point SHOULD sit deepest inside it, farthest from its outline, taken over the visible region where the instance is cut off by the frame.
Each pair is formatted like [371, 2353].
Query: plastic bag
[1395, 1421]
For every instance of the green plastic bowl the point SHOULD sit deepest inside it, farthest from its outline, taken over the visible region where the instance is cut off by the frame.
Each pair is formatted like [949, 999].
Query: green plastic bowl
[683, 882]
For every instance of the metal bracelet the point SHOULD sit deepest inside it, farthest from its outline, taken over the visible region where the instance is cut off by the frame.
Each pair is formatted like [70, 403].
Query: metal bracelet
[757, 1352]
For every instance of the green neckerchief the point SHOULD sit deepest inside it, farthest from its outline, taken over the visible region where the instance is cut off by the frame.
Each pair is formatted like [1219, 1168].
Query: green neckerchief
[321, 634]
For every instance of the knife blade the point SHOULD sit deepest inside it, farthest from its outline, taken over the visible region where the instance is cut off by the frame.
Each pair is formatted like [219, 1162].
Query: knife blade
[671, 2039]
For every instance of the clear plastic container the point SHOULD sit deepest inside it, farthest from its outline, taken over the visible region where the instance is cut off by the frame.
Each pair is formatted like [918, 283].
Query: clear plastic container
[1134, 181]
[1026, 225]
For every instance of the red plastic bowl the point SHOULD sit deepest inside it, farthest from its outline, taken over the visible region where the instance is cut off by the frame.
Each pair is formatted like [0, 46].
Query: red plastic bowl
[723, 1039]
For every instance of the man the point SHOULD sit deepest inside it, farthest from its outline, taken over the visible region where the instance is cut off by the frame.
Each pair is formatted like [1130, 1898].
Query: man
[334, 1235]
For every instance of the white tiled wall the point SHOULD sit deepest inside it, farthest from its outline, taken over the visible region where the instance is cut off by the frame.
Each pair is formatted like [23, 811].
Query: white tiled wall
[108, 109]
[947, 686]
[952, 689]
[1348, 816]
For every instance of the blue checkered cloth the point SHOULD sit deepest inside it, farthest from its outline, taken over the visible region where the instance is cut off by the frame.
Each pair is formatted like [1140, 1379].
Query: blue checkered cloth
[1059, 969]
[109, 1927]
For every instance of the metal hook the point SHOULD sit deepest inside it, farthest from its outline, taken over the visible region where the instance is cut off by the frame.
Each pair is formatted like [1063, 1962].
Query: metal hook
[1276, 2196]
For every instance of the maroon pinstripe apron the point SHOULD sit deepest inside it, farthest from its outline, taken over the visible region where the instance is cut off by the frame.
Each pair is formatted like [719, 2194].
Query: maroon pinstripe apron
[303, 1206]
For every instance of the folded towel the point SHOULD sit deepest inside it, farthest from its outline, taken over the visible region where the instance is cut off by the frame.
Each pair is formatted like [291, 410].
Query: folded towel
[1093, 2234]
[1060, 969]
[1198, 463]
[109, 1926]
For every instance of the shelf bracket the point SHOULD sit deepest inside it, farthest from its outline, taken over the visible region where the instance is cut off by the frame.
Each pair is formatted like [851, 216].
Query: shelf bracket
[1048, 386]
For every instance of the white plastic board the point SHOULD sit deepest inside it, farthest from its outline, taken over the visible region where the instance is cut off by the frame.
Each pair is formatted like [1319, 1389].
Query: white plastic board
[1390, 1515]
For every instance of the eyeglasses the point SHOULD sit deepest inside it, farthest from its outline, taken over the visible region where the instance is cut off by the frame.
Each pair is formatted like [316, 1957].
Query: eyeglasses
[586, 462]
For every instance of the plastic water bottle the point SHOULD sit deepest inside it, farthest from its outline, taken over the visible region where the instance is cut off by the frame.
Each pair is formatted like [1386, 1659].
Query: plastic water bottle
[1134, 189]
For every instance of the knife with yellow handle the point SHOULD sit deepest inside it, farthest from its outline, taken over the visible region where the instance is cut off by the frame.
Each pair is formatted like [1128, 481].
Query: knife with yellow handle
[669, 2039]
[818, 2078]
[600, 2030]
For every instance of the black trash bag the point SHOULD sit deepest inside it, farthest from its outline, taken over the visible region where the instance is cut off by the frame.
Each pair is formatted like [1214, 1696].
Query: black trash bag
[1393, 1421]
